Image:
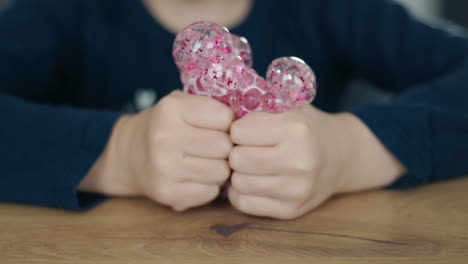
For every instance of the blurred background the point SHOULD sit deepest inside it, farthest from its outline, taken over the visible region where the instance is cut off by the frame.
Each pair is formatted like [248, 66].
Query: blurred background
[432, 11]
[454, 10]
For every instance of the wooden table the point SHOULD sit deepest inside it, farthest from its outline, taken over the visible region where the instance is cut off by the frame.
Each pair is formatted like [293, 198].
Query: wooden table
[426, 225]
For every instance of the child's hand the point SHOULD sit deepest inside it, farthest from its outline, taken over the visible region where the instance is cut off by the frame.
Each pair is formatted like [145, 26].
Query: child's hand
[287, 164]
[175, 153]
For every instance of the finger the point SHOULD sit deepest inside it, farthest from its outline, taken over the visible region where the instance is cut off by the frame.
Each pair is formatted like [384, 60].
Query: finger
[285, 188]
[261, 206]
[206, 171]
[205, 143]
[205, 112]
[257, 129]
[256, 160]
[194, 195]
[264, 186]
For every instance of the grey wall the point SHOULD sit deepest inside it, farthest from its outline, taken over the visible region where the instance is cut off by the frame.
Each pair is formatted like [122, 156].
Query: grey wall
[452, 10]
[424, 8]
[456, 11]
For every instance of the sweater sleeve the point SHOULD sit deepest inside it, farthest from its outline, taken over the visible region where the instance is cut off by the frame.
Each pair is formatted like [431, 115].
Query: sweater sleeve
[45, 150]
[426, 125]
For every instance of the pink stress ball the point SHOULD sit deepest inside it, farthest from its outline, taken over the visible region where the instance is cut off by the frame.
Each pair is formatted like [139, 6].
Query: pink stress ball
[212, 62]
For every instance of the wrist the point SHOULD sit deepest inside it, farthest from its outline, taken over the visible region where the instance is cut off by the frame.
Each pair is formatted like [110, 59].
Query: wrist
[110, 174]
[366, 163]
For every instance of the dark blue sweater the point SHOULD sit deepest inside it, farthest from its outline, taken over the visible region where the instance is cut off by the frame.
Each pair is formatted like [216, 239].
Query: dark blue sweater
[69, 68]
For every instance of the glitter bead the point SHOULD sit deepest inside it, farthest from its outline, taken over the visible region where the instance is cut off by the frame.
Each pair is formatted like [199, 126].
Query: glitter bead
[271, 103]
[248, 78]
[242, 49]
[252, 99]
[236, 100]
[293, 78]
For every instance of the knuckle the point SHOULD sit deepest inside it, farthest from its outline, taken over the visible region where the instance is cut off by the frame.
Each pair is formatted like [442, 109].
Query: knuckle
[220, 112]
[235, 132]
[225, 171]
[224, 144]
[177, 93]
[222, 172]
[235, 159]
[234, 197]
[200, 196]
[259, 161]
[225, 116]
[179, 208]
[182, 205]
[303, 166]
[158, 142]
[300, 191]
[168, 104]
[160, 162]
[288, 213]
[299, 129]
[212, 193]
[243, 204]
[163, 146]
[237, 182]
[163, 192]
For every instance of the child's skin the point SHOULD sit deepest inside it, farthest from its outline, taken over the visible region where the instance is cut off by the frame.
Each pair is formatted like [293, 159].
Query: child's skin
[181, 151]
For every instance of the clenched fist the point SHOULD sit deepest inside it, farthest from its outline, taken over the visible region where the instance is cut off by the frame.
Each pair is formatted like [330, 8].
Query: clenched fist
[287, 164]
[174, 153]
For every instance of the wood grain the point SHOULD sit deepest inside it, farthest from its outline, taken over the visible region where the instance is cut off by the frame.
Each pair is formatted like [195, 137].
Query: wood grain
[425, 225]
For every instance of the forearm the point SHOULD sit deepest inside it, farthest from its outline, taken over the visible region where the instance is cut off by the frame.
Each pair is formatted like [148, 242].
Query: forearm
[46, 151]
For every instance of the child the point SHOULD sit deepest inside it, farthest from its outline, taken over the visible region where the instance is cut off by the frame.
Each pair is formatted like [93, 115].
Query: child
[68, 69]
